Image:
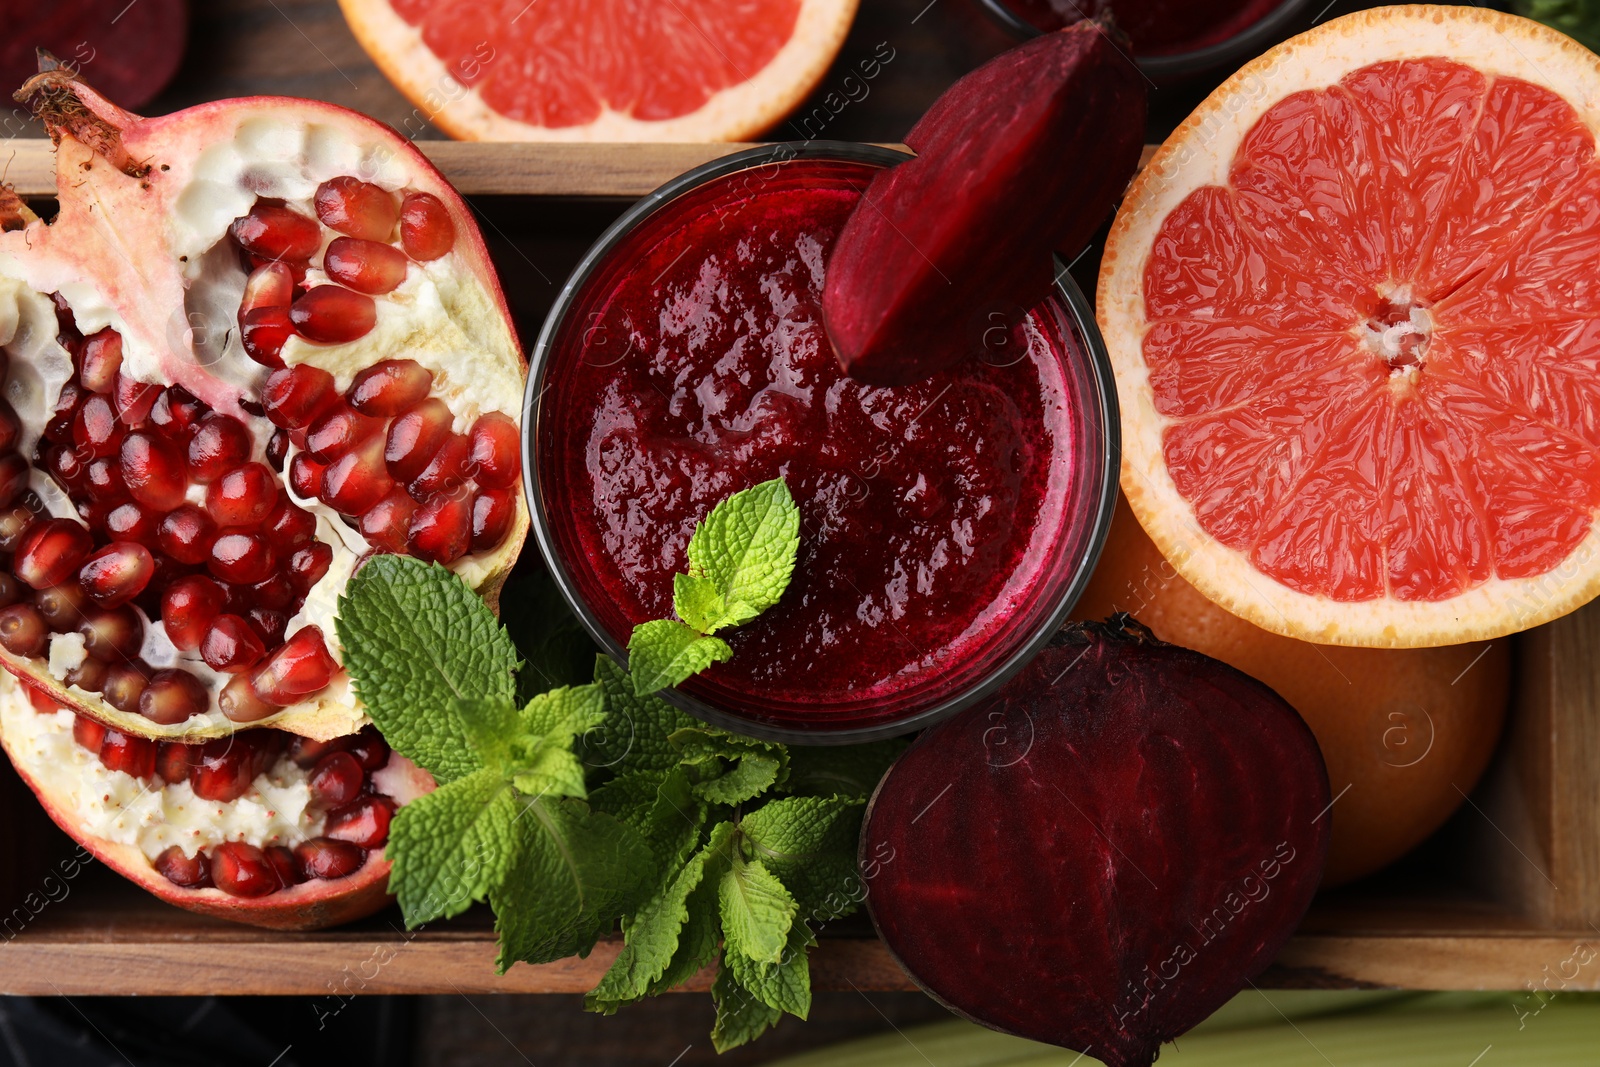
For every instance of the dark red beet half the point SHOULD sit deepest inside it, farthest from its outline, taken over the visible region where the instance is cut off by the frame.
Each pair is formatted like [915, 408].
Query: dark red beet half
[1105, 852]
[1025, 156]
[129, 51]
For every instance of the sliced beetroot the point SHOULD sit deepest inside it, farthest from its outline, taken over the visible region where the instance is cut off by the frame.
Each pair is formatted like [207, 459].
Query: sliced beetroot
[1106, 851]
[1025, 156]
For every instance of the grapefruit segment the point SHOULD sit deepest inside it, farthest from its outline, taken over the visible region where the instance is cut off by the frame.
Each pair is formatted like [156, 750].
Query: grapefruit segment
[1354, 309]
[589, 70]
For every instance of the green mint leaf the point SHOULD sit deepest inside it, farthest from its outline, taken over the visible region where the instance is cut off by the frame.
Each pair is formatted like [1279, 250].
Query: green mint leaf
[741, 1015]
[757, 911]
[785, 985]
[451, 847]
[700, 937]
[651, 941]
[635, 734]
[851, 771]
[574, 872]
[698, 602]
[746, 550]
[728, 769]
[547, 728]
[487, 727]
[415, 640]
[810, 844]
[664, 653]
[661, 807]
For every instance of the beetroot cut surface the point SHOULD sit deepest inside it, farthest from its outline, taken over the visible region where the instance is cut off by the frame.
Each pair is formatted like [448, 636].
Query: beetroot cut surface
[1025, 156]
[1105, 852]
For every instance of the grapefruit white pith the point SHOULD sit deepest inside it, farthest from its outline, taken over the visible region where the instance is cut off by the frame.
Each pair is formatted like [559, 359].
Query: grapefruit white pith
[1353, 310]
[582, 70]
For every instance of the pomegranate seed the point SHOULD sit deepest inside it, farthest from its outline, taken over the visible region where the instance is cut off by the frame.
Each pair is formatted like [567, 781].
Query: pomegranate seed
[240, 703]
[323, 857]
[445, 471]
[492, 510]
[134, 400]
[90, 675]
[219, 444]
[276, 593]
[66, 467]
[263, 332]
[59, 427]
[117, 573]
[270, 285]
[426, 231]
[365, 266]
[276, 232]
[95, 429]
[154, 471]
[242, 870]
[22, 630]
[42, 702]
[11, 590]
[305, 476]
[293, 397]
[337, 432]
[240, 556]
[173, 696]
[414, 437]
[364, 823]
[242, 497]
[271, 625]
[277, 449]
[337, 780]
[309, 564]
[357, 480]
[10, 426]
[188, 608]
[131, 755]
[370, 749]
[186, 534]
[15, 522]
[173, 762]
[88, 733]
[51, 551]
[360, 209]
[99, 361]
[113, 634]
[189, 872]
[231, 645]
[124, 684]
[175, 411]
[329, 315]
[495, 455]
[284, 866]
[102, 480]
[223, 770]
[62, 606]
[388, 521]
[298, 669]
[289, 526]
[390, 387]
[441, 530]
[13, 479]
[306, 752]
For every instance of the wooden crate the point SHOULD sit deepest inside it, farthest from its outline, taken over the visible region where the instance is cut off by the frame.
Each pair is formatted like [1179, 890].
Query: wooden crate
[1506, 897]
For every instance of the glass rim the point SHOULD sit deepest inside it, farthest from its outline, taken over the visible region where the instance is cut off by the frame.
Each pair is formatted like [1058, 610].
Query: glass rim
[1102, 399]
[1247, 43]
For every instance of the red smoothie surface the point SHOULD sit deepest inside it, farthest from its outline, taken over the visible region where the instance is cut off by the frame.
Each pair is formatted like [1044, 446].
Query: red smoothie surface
[696, 365]
[1156, 27]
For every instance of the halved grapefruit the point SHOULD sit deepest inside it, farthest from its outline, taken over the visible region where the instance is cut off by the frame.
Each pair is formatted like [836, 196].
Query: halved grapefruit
[603, 70]
[1354, 310]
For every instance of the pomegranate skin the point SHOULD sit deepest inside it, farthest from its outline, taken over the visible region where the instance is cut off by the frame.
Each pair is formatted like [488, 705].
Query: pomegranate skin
[1104, 852]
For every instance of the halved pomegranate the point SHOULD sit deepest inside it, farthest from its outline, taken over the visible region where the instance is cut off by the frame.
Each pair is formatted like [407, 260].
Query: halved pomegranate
[260, 340]
[253, 827]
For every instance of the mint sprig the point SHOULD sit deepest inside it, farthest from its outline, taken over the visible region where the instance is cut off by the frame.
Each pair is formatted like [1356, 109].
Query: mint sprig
[585, 808]
[741, 557]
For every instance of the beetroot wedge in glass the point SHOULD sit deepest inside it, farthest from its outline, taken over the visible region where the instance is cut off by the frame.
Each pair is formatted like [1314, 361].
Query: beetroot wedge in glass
[1104, 853]
[1024, 157]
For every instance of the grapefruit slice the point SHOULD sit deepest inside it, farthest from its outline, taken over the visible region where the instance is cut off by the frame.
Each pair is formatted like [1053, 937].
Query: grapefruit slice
[602, 70]
[1354, 309]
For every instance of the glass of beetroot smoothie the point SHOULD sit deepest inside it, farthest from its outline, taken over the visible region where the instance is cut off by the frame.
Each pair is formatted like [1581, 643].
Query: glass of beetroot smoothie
[1172, 39]
[946, 527]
